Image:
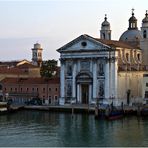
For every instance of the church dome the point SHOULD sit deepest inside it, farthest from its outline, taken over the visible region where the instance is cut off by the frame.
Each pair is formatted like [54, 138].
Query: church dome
[145, 20]
[105, 25]
[132, 34]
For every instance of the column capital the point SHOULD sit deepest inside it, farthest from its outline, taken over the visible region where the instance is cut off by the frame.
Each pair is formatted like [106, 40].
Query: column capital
[113, 59]
[62, 60]
[94, 60]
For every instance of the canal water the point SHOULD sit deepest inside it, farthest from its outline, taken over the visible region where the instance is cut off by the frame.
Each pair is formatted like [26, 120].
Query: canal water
[39, 129]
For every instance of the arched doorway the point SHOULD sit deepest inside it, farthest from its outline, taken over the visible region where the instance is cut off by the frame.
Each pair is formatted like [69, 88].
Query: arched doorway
[84, 87]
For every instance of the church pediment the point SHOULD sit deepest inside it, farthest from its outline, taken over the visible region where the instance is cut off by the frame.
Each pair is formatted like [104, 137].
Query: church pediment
[84, 43]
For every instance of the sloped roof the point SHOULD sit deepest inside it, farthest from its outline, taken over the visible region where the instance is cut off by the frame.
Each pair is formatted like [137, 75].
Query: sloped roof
[114, 43]
[27, 65]
[5, 70]
[107, 43]
[31, 81]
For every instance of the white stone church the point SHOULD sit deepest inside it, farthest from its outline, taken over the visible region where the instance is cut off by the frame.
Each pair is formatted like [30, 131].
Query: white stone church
[104, 70]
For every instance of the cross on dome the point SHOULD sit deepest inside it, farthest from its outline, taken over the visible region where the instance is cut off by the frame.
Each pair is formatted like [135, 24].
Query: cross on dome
[133, 11]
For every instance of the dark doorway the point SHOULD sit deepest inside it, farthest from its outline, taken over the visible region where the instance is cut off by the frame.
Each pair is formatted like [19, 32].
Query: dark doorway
[85, 93]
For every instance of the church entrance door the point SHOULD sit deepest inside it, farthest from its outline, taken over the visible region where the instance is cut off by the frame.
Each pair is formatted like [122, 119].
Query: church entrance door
[85, 93]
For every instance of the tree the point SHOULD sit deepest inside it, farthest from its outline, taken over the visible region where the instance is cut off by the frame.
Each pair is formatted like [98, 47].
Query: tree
[48, 68]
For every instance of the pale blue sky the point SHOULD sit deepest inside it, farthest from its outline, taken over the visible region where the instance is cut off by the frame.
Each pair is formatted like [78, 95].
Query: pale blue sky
[53, 23]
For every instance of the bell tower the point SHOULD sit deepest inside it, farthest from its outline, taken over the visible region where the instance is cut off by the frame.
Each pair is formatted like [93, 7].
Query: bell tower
[37, 55]
[144, 40]
[105, 32]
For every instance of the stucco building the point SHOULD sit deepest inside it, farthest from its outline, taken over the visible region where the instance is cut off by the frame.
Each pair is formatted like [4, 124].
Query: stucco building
[21, 90]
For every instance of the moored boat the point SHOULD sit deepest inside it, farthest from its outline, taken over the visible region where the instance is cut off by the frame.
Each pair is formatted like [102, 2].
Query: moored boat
[3, 107]
[115, 114]
[144, 111]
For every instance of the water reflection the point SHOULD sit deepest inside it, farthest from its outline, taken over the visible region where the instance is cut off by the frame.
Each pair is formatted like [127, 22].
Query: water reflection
[39, 128]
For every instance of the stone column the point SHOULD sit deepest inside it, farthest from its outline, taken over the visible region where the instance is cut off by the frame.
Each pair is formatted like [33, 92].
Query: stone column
[74, 81]
[62, 83]
[107, 73]
[114, 77]
[90, 93]
[78, 93]
[94, 79]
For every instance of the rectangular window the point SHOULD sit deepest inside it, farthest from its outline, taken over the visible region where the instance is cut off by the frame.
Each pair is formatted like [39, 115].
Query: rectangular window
[146, 84]
[49, 89]
[49, 99]
[43, 89]
[27, 89]
[146, 94]
[32, 89]
[56, 97]
[37, 89]
[21, 89]
[56, 89]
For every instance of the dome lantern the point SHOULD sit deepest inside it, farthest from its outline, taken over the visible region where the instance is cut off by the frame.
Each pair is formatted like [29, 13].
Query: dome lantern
[132, 21]
[105, 32]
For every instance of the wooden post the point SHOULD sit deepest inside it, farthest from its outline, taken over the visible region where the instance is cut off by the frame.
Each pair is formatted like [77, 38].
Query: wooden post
[138, 110]
[96, 112]
[72, 111]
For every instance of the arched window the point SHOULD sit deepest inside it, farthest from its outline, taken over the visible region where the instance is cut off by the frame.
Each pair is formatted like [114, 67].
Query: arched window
[138, 57]
[103, 35]
[127, 57]
[1, 87]
[144, 34]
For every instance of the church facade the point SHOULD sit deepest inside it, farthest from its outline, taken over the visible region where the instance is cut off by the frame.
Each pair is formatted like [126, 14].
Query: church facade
[104, 70]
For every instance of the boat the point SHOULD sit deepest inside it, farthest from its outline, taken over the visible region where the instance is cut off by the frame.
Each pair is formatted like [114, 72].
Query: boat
[115, 114]
[4, 107]
[144, 111]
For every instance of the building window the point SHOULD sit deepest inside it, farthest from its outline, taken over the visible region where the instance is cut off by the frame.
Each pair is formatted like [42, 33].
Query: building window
[103, 35]
[15, 89]
[1, 87]
[27, 89]
[37, 89]
[49, 99]
[32, 89]
[43, 89]
[56, 89]
[146, 94]
[56, 98]
[144, 34]
[43, 99]
[11, 89]
[49, 89]
[84, 44]
[21, 89]
[127, 57]
[146, 84]
[138, 57]
[5, 89]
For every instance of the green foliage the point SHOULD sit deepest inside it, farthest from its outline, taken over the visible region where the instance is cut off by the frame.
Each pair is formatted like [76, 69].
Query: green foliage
[48, 68]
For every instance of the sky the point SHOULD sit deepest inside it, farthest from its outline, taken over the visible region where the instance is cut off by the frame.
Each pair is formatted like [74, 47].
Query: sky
[53, 23]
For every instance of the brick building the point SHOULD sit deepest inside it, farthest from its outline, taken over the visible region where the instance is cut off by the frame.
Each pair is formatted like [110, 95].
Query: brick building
[21, 90]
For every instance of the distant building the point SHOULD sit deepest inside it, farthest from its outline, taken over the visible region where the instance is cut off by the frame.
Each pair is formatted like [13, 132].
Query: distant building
[104, 70]
[37, 55]
[145, 88]
[21, 90]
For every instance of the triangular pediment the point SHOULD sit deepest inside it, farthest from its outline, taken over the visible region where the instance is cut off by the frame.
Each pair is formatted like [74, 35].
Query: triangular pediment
[84, 43]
